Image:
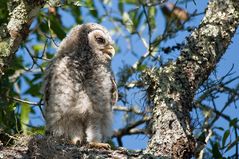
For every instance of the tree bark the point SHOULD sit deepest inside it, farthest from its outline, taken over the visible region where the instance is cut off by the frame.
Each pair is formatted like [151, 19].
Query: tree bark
[173, 87]
[40, 147]
[21, 14]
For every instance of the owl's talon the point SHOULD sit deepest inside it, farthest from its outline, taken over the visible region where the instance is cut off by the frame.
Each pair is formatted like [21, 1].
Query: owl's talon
[99, 145]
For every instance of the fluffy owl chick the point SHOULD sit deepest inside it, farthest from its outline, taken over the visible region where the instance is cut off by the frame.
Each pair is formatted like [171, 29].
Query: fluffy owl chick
[79, 89]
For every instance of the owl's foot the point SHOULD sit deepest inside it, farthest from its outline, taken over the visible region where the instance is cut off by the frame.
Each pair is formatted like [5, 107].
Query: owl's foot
[99, 145]
[77, 141]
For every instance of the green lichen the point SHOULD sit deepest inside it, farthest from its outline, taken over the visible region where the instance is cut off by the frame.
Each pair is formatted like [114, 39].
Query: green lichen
[4, 48]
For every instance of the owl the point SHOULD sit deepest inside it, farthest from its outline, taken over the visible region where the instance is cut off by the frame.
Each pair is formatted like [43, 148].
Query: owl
[79, 88]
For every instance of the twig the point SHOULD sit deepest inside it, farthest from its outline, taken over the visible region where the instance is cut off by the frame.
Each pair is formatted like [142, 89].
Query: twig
[237, 145]
[149, 26]
[130, 128]
[33, 59]
[218, 113]
[132, 109]
[24, 101]
[201, 151]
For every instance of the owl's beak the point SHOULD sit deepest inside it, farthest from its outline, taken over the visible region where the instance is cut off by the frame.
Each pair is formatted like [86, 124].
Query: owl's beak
[110, 51]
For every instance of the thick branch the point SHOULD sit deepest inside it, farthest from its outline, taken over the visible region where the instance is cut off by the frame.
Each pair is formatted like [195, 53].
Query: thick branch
[173, 87]
[47, 147]
[21, 13]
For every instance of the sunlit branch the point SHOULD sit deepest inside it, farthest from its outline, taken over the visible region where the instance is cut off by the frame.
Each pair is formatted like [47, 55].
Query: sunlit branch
[218, 113]
[201, 147]
[24, 101]
[130, 128]
[220, 87]
[125, 109]
[39, 104]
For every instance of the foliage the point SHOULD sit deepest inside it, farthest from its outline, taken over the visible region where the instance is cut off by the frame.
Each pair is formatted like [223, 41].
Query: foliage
[143, 33]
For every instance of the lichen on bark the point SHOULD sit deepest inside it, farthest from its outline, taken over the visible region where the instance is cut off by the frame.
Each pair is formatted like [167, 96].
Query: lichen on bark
[12, 34]
[173, 86]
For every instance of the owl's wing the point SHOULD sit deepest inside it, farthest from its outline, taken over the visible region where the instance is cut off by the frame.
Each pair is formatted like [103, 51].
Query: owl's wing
[114, 91]
[47, 82]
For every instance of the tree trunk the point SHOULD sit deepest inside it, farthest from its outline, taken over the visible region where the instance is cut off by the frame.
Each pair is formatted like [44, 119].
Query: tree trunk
[173, 87]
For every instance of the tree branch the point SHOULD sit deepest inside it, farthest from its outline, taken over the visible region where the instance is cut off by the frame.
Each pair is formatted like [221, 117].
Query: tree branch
[12, 34]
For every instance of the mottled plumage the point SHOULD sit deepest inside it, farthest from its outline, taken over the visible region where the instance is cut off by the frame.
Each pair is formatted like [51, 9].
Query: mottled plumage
[79, 89]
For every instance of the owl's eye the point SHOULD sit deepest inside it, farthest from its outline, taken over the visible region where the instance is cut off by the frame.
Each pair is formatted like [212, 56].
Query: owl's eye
[100, 40]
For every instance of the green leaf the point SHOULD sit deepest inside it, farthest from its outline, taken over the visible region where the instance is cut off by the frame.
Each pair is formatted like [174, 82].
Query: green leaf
[24, 117]
[34, 89]
[38, 47]
[215, 151]
[92, 8]
[76, 12]
[202, 137]
[233, 144]
[219, 128]
[57, 27]
[128, 22]
[3, 11]
[141, 67]
[233, 122]
[121, 6]
[132, 1]
[151, 16]
[38, 130]
[49, 55]
[37, 76]
[225, 136]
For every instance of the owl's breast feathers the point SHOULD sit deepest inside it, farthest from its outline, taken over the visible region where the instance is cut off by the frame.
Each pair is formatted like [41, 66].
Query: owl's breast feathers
[95, 78]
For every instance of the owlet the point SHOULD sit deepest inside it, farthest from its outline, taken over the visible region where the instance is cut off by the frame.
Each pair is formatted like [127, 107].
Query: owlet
[79, 88]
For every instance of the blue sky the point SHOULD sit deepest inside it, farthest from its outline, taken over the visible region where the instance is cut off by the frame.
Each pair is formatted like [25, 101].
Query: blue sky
[126, 57]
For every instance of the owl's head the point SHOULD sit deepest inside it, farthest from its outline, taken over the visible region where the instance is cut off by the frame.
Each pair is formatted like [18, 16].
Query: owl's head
[100, 41]
[88, 39]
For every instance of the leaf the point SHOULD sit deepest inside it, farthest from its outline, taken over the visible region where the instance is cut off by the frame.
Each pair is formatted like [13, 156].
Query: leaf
[121, 6]
[38, 47]
[219, 128]
[232, 144]
[57, 27]
[215, 151]
[92, 8]
[233, 122]
[37, 76]
[24, 117]
[225, 136]
[34, 89]
[3, 11]
[38, 130]
[43, 25]
[132, 1]
[141, 67]
[128, 22]
[76, 14]
[202, 137]
[136, 16]
[151, 16]
[49, 55]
